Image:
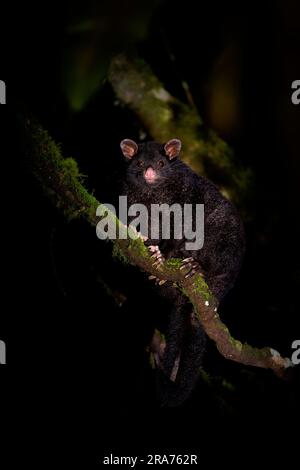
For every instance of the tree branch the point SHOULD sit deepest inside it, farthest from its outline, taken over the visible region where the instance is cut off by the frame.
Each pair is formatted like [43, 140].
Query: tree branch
[62, 182]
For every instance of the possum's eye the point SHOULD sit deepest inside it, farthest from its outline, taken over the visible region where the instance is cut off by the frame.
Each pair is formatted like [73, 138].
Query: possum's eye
[140, 163]
[161, 163]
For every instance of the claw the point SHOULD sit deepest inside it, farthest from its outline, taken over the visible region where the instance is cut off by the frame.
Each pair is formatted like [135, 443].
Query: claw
[157, 254]
[191, 266]
[158, 262]
[188, 263]
[157, 280]
[154, 278]
[184, 266]
[190, 274]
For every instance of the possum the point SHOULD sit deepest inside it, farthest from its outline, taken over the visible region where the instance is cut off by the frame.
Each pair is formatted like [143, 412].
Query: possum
[155, 175]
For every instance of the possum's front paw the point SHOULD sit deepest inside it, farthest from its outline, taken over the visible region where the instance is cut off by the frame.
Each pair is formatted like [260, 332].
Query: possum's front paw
[159, 259]
[157, 255]
[191, 266]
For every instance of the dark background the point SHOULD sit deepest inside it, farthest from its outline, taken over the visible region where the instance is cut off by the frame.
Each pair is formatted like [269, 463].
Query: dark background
[77, 363]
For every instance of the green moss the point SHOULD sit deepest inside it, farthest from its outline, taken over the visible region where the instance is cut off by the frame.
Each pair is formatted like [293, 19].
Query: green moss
[152, 361]
[205, 378]
[200, 287]
[90, 203]
[256, 352]
[138, 247]
[119, 254]
[228, 386]
[162, 337]
[70, 167]
[59, 177]
[173, 263]
[237, 344]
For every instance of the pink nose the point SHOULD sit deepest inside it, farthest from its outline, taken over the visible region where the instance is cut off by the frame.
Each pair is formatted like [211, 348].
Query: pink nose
[150, 174]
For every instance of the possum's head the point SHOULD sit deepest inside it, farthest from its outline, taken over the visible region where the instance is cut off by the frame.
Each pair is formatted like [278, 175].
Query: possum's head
[150, 163]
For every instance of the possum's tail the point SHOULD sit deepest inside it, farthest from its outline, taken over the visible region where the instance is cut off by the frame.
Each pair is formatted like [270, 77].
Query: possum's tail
[178, 358]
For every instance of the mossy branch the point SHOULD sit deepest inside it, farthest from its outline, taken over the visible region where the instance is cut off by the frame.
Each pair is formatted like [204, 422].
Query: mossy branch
[62, 182]
[165, 117]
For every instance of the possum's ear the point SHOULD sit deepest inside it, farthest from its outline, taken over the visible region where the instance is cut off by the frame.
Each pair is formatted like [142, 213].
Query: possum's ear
[172, 148]
[129, 148]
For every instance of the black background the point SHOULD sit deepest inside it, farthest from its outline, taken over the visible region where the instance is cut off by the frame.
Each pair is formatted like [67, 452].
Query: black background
[77, 379]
